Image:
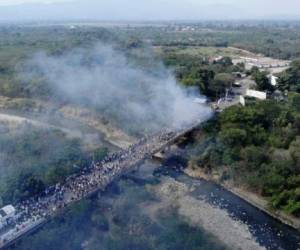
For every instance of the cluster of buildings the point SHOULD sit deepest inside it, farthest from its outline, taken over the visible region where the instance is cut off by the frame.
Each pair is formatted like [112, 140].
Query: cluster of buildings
[244, 90]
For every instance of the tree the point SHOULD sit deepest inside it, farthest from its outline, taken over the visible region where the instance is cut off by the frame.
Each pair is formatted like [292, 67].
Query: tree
[262, 81]
[294, 101]
[29, 185]
[100, 154]
[233, 136]
[199, 77]
[133, 42]
[274, 183]
[57, 175]
[220, 83]
[295, 153]
[225, 61]
[254, 157]
[290, 79]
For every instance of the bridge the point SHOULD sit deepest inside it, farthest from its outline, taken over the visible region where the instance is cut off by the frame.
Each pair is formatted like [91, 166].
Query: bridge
[36, 211]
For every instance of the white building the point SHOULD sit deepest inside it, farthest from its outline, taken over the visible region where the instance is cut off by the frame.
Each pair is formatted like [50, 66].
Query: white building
[256, 94]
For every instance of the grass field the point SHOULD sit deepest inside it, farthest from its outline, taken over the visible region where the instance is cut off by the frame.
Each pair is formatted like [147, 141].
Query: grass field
[205, 51]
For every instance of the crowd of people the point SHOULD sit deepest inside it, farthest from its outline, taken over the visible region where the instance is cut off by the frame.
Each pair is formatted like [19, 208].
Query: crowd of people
[97, 176]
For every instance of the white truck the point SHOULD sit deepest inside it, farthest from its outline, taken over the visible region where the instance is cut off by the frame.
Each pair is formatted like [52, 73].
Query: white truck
[6, 213]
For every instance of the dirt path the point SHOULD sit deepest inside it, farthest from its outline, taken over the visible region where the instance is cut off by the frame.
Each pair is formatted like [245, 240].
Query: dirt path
[112, 134]
[47, 110]
[14, 121]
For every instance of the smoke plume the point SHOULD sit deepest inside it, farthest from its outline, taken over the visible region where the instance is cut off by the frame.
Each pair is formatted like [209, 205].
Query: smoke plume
[136, 98]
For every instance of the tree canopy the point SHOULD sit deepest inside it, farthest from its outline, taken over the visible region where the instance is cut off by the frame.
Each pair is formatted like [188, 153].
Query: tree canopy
[258, 147]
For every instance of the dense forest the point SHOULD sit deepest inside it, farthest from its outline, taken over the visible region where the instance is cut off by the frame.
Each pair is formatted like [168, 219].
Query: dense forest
[274, 39]
[258, 147]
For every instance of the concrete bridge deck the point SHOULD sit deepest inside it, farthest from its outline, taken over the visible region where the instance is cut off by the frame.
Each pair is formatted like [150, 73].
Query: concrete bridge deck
[38, 210]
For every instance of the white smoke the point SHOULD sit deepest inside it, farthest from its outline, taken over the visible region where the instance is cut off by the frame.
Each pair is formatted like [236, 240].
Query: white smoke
[134, 97]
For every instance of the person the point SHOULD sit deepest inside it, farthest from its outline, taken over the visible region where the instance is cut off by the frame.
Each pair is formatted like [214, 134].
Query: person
[98, 175]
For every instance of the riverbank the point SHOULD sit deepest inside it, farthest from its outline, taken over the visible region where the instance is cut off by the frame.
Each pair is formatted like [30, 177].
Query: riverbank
[250, 197]
[197, 212]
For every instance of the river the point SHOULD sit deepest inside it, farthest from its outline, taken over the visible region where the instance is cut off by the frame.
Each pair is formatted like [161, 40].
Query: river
[159, 207]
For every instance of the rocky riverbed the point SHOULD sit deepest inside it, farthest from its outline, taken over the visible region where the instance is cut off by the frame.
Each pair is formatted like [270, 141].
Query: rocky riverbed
[159, 207]
[198, 212]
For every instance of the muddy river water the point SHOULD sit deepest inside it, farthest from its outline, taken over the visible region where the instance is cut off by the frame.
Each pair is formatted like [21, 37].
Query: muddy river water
[159, 207]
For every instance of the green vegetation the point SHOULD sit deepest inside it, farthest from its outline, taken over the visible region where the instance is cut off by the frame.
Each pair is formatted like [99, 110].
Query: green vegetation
[211, 78]
[290, 79]
[274, 39]
[258, 146]
[33, 158]
[179, 49]
[100, 154]
[19, 44]
[261, 141]
[262, 80]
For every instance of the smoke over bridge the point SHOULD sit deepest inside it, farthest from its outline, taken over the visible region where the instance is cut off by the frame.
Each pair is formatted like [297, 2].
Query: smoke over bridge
[136, 97]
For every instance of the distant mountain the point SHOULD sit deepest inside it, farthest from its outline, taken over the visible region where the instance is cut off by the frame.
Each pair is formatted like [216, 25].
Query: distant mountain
[121, 10]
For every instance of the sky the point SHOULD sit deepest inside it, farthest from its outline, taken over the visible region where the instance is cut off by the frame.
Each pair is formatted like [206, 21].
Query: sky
[148, 9]
[14, 2]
